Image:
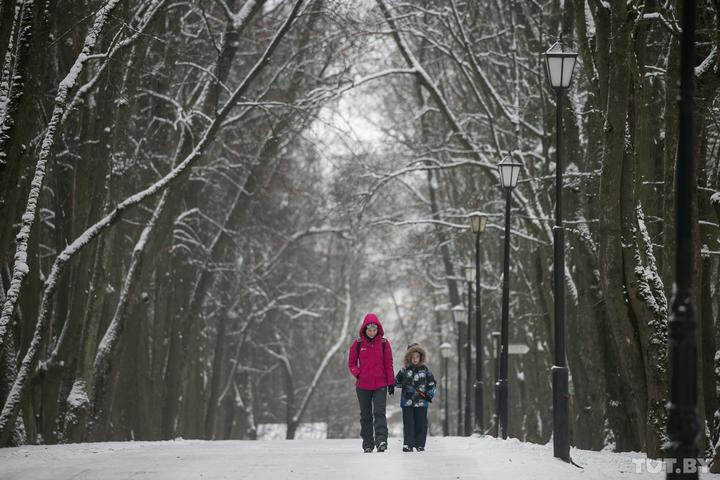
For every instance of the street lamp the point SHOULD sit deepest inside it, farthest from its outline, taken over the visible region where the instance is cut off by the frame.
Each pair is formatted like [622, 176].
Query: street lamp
[469, 278]
[459, 316]
[469, 274]
[509, 169]
[478, 221]
[477, 225]
[445, 353]
[559, 65]
[559, 62]
[682, 423]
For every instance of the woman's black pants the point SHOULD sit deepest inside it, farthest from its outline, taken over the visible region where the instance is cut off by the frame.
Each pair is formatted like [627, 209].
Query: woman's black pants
[372, 407]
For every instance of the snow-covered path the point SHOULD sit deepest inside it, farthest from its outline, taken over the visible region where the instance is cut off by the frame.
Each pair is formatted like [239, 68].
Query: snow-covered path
[446, 458]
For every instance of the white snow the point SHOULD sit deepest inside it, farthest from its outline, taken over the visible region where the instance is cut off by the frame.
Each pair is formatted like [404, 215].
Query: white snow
[305, 431]
[78, 395]
[445, 458]
[707, 64]
[715, 198]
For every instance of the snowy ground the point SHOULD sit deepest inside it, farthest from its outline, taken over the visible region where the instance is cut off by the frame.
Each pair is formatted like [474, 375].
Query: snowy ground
[446, 458]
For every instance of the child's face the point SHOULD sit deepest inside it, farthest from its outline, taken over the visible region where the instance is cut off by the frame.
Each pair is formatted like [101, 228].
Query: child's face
[415, 358]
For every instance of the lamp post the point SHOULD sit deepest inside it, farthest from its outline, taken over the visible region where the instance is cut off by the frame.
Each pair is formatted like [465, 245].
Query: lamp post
[496, 373]
[459, 316]
[477, 226]
[509, 169]
[445, 353]
[559, 62]
[469, 278]
[682, 424]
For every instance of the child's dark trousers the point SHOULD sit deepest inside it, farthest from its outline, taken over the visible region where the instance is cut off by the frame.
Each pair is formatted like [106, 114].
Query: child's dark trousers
[415, 426]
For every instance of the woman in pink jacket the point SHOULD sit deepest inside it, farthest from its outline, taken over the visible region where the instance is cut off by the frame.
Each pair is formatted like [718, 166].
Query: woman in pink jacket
[370, 362]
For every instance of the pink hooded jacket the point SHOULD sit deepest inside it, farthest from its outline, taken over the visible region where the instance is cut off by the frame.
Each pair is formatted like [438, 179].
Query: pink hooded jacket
[373, 369]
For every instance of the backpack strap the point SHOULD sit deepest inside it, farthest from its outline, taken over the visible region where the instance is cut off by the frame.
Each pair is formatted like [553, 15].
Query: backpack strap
[358, 341]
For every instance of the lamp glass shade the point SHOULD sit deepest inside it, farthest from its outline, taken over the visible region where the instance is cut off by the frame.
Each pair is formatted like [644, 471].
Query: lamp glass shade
[478, 222]
[568, 67]
[559, 65]
[446, 350]
[509, 169]
[458, 312]
[470, 273]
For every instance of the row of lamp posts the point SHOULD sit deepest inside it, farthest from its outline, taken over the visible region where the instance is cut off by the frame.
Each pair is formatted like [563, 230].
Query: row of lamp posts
[509, 170]
[682, 408]
[559, 64]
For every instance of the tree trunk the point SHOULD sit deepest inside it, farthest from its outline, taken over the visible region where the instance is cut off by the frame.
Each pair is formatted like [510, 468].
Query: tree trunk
[610, 230]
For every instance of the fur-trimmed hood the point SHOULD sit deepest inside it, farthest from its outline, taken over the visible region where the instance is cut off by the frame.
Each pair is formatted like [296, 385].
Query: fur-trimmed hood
[413, 348]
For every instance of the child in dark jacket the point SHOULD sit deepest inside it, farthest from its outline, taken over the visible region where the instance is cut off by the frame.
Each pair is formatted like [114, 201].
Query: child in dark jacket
[418, 389]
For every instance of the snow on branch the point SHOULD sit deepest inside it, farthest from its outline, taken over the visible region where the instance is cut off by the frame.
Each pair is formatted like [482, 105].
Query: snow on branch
[442, 223]
[707, 64]
[513, 117]
[208, 72]
[328, 93]
[425, 79]
[240, 18]
[111, 337]
[12, 403]
[670, 25]
[649, 282]
[411, 168]
[20, 267]
[464, 139]
[108, 56]
[269, 265]
[715, 199]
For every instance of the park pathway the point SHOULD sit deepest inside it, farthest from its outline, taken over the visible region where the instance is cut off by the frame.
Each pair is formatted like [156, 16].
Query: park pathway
[451, 458]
